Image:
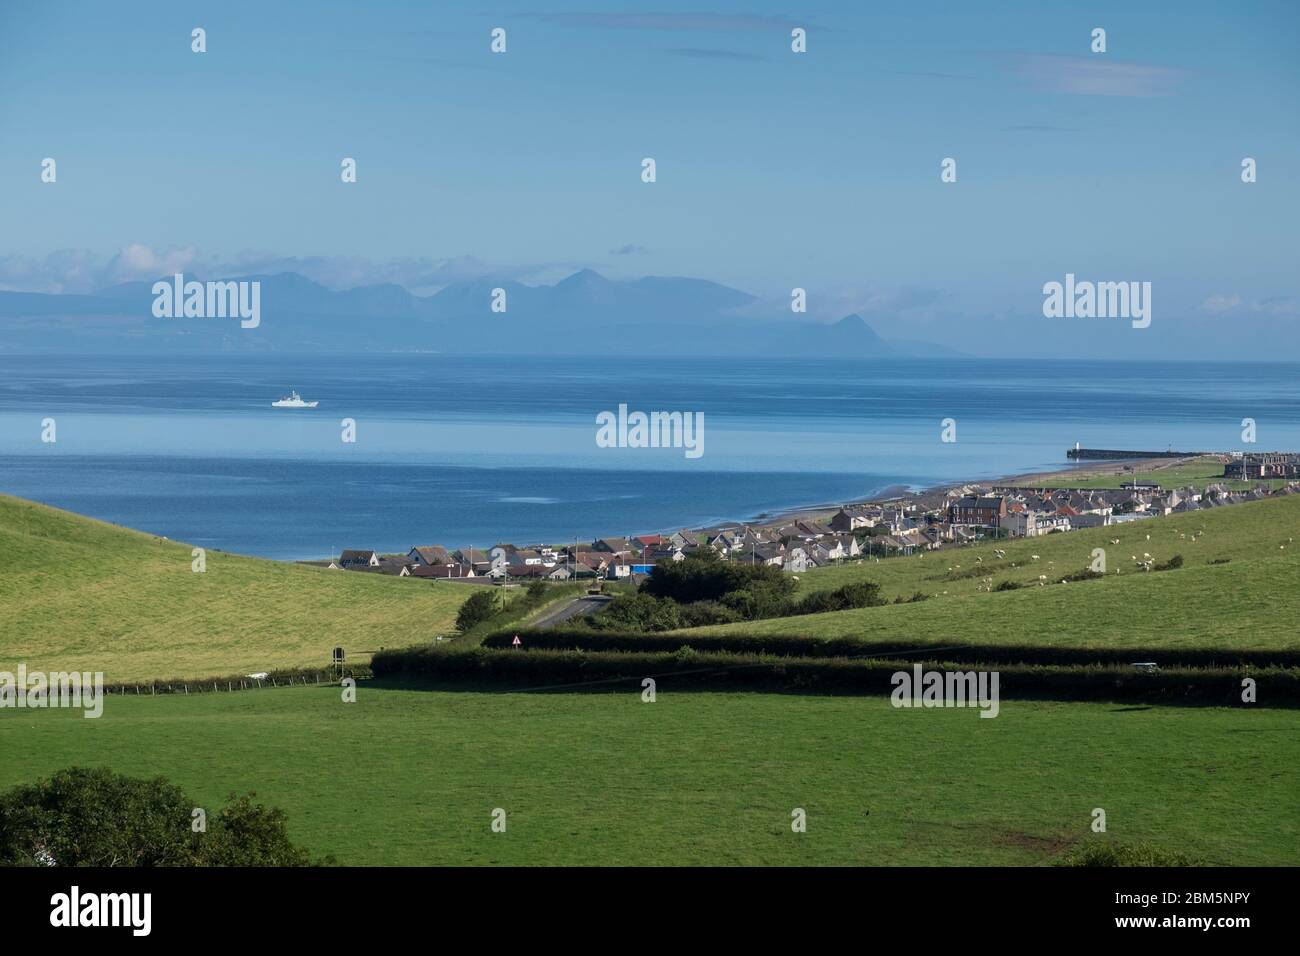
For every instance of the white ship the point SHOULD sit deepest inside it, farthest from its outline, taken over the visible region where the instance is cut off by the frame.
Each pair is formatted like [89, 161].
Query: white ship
[294, 400]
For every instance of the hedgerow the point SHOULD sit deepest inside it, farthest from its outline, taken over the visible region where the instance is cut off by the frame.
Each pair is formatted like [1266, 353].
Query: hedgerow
[953, 650]
[572, 669]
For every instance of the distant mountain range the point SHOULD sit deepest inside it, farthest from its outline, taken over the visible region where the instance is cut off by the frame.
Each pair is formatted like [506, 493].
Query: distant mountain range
[584, 313]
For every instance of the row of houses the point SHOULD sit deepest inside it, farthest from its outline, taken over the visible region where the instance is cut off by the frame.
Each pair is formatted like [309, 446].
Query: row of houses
[896, 528]
[1256, 467]
[1031, 512]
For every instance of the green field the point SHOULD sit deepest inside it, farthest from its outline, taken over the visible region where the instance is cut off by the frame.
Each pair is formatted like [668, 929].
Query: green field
[79, 594]
[1250, 601]
[411, 776]
[1198, 472]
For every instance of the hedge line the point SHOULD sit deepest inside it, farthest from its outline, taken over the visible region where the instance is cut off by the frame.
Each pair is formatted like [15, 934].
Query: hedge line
[802, 646]
[209, 685]
[570, 670]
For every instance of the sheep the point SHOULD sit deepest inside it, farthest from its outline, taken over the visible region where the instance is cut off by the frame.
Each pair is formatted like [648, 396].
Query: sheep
[1034, 556]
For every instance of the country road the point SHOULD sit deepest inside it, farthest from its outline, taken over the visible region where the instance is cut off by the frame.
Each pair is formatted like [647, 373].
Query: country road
[587, 604]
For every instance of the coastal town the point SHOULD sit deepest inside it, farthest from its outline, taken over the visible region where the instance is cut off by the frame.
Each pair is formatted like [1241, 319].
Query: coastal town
[916, 523]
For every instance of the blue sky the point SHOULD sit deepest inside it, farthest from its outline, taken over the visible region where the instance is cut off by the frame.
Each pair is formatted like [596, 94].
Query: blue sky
[775, 170]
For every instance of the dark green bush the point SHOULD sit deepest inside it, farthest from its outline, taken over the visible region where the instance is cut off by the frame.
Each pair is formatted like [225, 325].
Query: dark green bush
[96, 817]
[916, 597]
[704, 613]
[708, 579]
[860, 594]
[480, 606]
[639, 612]
[760, 599]
[1087, 574]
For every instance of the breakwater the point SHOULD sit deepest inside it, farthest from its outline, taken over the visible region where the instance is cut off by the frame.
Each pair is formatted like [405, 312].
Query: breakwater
[1111, 454]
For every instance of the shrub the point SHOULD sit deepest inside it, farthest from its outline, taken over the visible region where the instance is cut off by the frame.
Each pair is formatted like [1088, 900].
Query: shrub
[96, 817]
[1009, 586]
[860, 594]
[1087, 574]
[704, 613]
[537, 592]
[759, 600]
[480, 606]
[1125, 854]
[915, 598]
[1175, 562]
[707, 579]
[639, 612]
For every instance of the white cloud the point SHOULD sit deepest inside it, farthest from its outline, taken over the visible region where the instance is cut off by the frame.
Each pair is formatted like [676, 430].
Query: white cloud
[1095, 75]
[1221, 303]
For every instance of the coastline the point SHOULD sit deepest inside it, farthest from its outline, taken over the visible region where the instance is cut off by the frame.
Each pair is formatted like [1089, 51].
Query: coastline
[899, 492]
[894, 493]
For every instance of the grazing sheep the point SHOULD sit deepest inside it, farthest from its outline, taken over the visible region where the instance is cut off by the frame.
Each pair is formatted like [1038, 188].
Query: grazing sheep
[1034, 556]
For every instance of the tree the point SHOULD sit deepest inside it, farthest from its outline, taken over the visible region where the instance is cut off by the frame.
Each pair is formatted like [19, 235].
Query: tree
[480, 606]
[639, 612]
[696, 579]
[96, 817]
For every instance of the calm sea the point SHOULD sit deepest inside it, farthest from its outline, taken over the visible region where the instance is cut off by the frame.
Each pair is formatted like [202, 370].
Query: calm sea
[468, 450]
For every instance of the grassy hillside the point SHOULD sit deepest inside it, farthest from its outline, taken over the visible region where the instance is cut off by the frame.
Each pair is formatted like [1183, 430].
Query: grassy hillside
[701, 778]
[1206, 470]
[81, 594]
[1249, 601]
